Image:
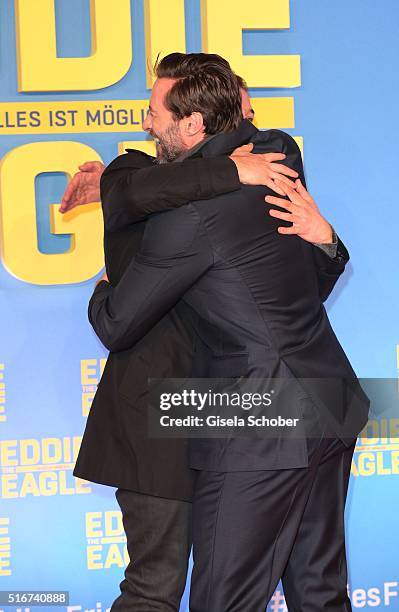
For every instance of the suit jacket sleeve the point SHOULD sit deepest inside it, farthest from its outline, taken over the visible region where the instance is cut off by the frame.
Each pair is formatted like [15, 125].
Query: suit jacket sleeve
[328, 268]
[173, 254]
[133, 185]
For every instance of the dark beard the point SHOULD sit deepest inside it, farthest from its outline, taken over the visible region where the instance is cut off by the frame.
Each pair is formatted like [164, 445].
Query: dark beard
[170, 145]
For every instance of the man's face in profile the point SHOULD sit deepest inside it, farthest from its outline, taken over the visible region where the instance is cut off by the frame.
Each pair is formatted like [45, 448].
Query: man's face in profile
[165, 129]
[161, 124]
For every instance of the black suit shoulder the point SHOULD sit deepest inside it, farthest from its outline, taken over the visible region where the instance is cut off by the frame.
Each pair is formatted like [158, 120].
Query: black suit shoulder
[276, 141]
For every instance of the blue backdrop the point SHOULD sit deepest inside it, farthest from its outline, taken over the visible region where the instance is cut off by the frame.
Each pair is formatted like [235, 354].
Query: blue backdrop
[69, 535]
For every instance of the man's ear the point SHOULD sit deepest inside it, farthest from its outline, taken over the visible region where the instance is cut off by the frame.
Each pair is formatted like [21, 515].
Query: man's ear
[194, 124]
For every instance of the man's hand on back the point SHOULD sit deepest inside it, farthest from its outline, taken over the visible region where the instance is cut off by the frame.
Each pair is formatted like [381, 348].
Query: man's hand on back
[261, 169]
[84, 188]
[301, 210]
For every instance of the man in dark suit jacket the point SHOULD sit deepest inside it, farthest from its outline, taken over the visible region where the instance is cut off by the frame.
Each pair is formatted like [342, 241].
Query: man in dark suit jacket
[154, 483]
[153, 479]
[258, 312]
[152, 476]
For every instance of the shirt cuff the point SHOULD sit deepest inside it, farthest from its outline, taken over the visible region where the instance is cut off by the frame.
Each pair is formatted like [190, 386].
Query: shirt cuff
[329, 248]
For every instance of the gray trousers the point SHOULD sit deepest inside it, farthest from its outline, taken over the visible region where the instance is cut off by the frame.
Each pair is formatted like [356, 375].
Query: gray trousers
[158, 533]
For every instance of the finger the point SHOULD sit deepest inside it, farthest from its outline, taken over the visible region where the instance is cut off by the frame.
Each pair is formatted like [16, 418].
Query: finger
[274, 200]
[302, 191]
[67, 194]
[273, 157]
[89, 166]
[286, 185]
[281, 169]
[283, 204]
[244, 149]
[290, 192]
[281, 215]
[283, 179]
[288, 230]
[285, 188]
[67, 207]
[273, 187]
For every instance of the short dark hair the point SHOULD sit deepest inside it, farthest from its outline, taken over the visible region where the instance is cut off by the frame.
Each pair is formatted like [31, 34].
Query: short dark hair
[205, 84]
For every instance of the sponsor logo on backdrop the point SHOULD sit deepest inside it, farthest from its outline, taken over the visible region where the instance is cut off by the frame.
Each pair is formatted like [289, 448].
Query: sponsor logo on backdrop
[5, 547]
[378, 452]
[377, 448]
[106, 540]
[90, 374]
[40, 467]
[385, 595]
[3, 416]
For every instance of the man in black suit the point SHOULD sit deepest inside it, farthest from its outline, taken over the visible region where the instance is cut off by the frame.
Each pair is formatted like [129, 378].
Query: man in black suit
[152, 477]
[255, 299]
[154, 484]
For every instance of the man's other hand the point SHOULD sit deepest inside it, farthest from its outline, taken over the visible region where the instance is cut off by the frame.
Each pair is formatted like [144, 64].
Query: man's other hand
[84, 188]
[261, 169]
[302, 211]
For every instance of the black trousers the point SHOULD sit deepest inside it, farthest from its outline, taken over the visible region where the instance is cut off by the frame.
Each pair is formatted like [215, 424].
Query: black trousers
[158, 533]
[252, 528]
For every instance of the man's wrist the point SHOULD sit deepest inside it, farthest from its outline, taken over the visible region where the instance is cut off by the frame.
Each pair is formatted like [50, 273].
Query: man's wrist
[330, 236]
[329, 248]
